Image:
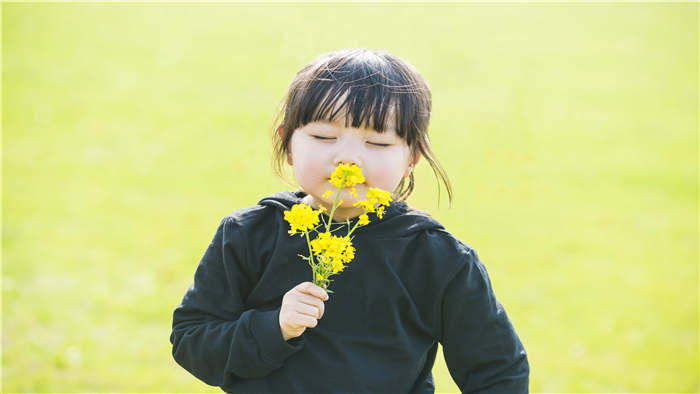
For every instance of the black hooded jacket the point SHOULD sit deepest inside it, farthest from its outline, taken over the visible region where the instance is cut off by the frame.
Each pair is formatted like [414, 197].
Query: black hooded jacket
[410, 285]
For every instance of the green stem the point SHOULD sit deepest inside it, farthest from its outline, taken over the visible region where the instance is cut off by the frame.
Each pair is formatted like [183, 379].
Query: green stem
[335, 204]
[311, 257]
[354, 227]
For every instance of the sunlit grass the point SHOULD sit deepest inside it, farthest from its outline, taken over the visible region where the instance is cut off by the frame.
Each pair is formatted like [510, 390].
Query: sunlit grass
[569, 132]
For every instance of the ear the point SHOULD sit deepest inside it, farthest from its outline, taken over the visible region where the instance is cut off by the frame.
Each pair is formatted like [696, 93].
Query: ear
[416, 159]
[280, 130]
[411, 164]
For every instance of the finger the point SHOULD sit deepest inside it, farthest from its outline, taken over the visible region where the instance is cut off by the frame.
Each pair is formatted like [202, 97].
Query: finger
[313, 290]
[313, 301]
[306, 321]
[292, 323]
[309, 310]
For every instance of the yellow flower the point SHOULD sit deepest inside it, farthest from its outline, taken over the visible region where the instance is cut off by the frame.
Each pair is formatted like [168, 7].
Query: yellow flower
[378, 195]
[320, 243]
[375, 196]
[364, 220]
[337, 266]
[301, 218]
[338, 261]
[380, 212]
[366, 204]
[347, 176]
[333, 251]
[329, 253]
[349, 253]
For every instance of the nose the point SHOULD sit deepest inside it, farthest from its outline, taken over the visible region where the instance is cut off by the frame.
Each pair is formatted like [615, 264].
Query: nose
[348, 162]
[348, 159]
[348, 154]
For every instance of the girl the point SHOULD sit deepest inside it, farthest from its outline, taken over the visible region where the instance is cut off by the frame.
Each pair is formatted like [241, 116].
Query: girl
[253, 323]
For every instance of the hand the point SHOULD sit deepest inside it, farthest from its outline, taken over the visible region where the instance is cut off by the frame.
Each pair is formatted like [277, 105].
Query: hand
[302, 306]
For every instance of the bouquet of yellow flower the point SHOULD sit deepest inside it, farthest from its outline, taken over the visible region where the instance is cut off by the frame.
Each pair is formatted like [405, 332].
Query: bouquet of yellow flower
[329, 254]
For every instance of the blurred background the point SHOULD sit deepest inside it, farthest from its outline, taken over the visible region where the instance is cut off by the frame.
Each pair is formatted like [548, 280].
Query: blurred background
[569, 131]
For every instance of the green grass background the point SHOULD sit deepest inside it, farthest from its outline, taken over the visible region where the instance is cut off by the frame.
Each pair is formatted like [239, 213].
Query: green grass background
[569, 132]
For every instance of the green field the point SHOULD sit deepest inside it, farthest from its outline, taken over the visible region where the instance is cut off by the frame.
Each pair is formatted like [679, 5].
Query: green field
[570, 133]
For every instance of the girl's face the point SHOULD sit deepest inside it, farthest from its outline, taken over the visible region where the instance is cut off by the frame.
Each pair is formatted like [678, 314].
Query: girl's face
[318, 147]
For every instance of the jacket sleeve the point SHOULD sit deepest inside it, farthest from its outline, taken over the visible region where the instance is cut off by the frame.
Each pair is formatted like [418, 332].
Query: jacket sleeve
[482, 351]
[213, 336]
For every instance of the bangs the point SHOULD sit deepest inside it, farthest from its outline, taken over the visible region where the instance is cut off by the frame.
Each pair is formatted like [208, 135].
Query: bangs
[369, 105]
[367, 90]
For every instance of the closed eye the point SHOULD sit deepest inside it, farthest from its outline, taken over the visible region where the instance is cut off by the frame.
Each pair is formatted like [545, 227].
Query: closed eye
[322, 138]
[378, 144]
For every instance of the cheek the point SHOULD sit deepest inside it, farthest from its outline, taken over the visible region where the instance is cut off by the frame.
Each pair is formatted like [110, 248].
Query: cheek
[306, 170]
[300, 162]
[388, 173]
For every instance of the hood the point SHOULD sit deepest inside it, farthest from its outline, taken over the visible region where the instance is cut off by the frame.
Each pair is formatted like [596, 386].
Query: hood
[282, 200]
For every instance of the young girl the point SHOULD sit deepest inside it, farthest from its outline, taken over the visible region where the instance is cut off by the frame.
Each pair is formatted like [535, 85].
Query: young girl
[253, 323]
